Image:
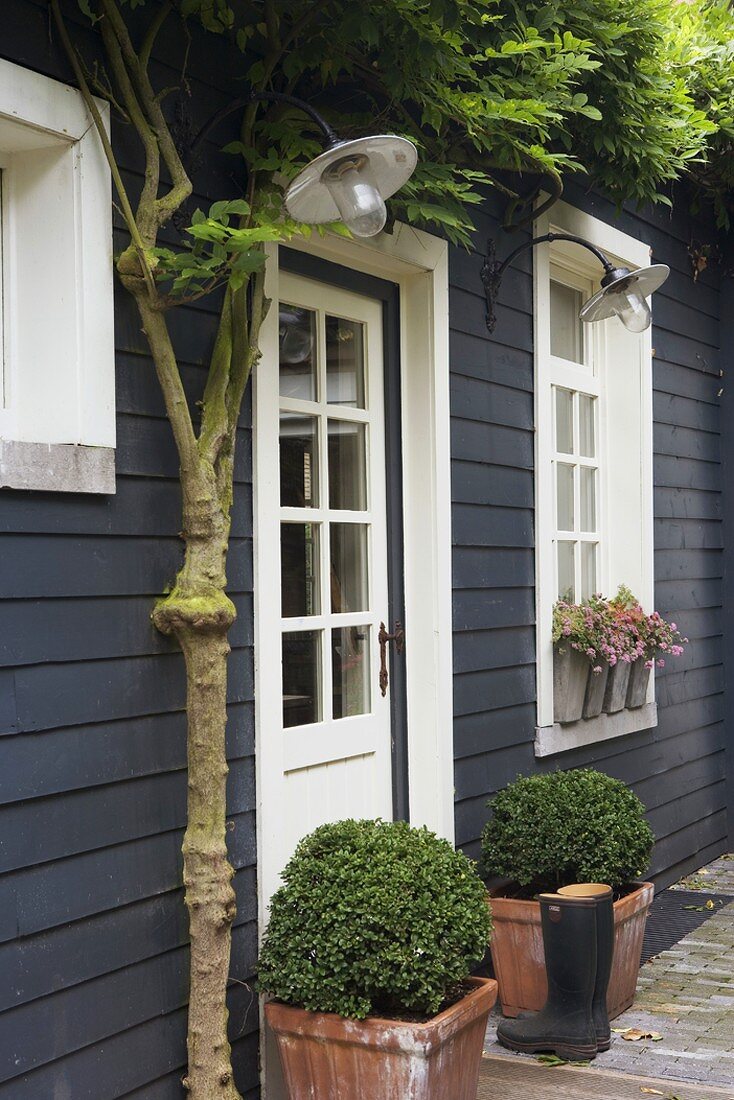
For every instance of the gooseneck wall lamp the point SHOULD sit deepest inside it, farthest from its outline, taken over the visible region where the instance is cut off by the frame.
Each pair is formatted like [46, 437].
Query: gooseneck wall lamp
[623, 292]
[349, 181]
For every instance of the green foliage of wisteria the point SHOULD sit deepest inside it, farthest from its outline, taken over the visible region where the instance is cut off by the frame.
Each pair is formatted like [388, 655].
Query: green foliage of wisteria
[648, 125]
[705, 46]
[508, 95]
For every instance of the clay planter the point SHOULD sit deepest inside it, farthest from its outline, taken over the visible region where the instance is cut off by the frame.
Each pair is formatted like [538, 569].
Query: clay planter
[615, 697]
[637, 687]
[519, 959]
[570, 675]
[328, 1057]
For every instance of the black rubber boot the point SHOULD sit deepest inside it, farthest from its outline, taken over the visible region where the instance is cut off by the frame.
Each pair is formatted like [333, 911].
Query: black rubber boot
[604, 897]
[565, 1024]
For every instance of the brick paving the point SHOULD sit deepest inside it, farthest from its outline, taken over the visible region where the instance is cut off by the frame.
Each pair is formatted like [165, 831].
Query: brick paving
[685, 994]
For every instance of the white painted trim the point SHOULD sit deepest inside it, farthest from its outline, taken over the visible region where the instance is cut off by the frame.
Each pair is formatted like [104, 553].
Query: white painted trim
[54, 110]
[550, 740]
[418, 262]
[624, 249]
[60, 378]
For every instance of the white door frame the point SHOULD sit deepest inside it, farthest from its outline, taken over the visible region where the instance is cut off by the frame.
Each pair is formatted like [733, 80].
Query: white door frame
[418, 263]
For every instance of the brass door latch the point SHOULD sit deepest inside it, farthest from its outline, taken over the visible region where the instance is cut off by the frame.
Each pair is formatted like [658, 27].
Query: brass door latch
[383, 638]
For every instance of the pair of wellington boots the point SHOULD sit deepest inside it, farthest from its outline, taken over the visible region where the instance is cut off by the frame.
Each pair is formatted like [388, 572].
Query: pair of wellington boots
[578, 937]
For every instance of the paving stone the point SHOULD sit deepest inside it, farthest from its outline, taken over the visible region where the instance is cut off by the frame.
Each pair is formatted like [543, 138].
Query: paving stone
[686, 994]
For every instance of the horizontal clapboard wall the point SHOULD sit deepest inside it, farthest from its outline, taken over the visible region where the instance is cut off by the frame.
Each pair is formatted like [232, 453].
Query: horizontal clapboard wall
[679, 768]
[92, 781]
[93, 930]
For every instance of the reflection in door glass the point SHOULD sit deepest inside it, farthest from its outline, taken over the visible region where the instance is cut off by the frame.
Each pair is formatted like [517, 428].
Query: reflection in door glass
[298, 461]
[344, 362]
[348, 567]
[347, 466]
[350, 670]
[297, 339]
[301, 678]
[299, 565]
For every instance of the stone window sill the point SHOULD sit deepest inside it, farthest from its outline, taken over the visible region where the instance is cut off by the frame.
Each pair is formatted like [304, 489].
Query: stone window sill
[550, 740]
[57, 467]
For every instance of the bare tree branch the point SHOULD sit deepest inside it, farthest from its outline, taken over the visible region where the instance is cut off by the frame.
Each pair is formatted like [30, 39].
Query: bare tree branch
[145, 215]
[152, 33]
[127, 210]
[181, 186]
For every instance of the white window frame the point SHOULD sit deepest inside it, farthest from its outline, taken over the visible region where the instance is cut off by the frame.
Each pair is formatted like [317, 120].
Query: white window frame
[578, 378]
[625, 445]
[57, 399]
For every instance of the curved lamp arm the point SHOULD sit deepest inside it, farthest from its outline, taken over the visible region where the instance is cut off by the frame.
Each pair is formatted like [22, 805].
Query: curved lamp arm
[493, 270]
[330, 134]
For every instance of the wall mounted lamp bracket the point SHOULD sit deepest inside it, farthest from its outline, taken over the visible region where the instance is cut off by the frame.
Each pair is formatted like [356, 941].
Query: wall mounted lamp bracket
[622, 292]
[493, 269]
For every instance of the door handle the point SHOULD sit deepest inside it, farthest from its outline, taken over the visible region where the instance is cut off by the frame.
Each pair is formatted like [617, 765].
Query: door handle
[398, 637]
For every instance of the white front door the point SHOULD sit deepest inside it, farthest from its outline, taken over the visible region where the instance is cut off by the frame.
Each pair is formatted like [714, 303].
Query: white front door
[324, 719]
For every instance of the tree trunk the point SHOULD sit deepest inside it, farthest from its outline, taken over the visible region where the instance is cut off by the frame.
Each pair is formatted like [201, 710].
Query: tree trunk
[199, 613]
[210, 897]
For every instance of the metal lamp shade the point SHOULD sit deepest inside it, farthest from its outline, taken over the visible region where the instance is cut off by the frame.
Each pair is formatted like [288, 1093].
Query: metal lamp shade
[392, 160]
[643, 282]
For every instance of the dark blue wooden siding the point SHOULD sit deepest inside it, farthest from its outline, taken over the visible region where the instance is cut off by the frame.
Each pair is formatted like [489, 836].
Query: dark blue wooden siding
[92, 783]
[727, 414]
[93, 930]
[679, 768]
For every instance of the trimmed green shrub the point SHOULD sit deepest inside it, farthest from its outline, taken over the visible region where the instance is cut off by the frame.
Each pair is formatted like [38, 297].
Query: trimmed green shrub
[374, 916]
[552, 830]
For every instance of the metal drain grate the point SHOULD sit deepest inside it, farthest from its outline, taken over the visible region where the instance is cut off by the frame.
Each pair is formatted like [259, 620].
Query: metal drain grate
[670, 920]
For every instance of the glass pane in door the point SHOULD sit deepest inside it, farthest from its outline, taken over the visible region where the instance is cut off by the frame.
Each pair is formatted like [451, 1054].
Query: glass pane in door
[299, 565]
[347, 465]
[299, 477]
[348, 567]
[301, 678]
[297, 340]
[345, 362]
[350, 670]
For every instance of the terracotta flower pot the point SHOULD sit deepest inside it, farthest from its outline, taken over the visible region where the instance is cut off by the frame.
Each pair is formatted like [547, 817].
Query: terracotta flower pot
[331, 1057]
[519, 959]
[570, 675]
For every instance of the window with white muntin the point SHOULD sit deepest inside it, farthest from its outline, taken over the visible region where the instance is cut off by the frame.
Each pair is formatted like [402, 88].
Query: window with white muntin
[575, 458]
[593, 471]
[57, 408]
